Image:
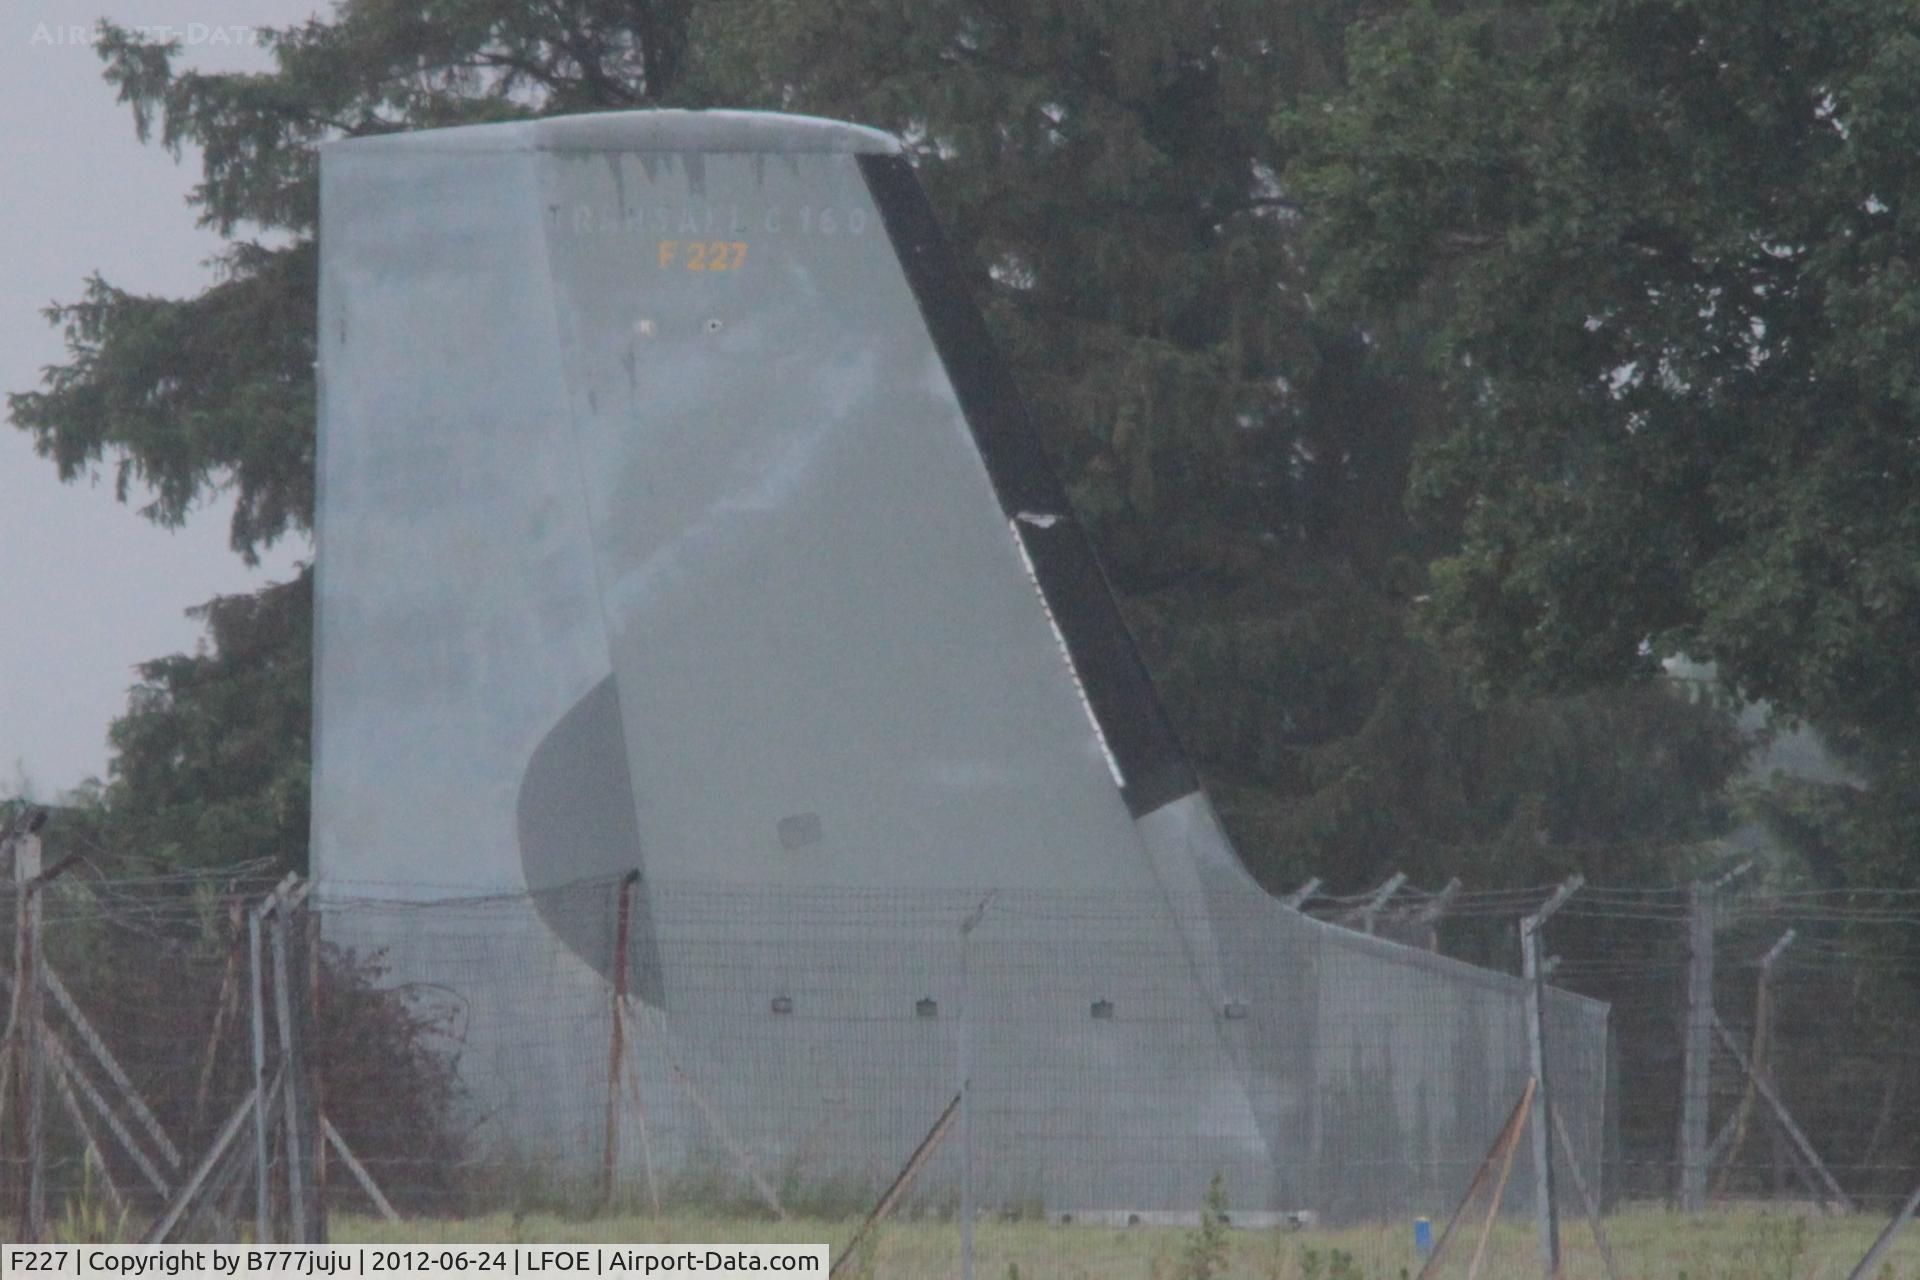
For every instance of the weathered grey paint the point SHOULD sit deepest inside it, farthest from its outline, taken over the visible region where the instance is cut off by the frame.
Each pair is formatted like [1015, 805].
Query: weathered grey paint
[629, 561]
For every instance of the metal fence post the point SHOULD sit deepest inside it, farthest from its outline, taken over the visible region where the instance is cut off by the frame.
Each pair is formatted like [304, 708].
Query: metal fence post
[1429, 915]
[32, 1049]
[262, 1206]
[1299, 898]
[1544, 1207]
[965, 1054]
[316, 1109]
[1864, 1269]
[1378, 899]
[1726, 1146]
[256, 989]
[1699, 1044]
[293, 1062]
[1696, 1071]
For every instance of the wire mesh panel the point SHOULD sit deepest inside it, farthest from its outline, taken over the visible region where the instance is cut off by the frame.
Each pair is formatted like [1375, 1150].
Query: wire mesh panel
[1123, 1052]
[1135, 1059]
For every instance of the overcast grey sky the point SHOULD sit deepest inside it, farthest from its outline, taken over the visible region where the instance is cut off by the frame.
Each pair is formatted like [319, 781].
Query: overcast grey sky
[90, 588]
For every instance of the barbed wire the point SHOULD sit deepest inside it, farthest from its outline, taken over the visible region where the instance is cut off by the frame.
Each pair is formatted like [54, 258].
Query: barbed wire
[496, 1013]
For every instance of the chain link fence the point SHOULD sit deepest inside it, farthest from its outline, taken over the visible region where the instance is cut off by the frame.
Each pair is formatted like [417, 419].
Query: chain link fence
[631, 1054]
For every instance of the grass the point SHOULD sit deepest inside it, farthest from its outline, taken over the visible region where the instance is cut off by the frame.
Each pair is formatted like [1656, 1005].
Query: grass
[1647, 1244]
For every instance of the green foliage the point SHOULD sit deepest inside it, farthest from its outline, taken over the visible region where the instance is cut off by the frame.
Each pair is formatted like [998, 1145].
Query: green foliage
[1630, 243]
[1205, 1254]
[1338, 738]
[1239, 453]
[1774, 1249]
[1658, 255]
[1106, 173]
[185, 398]
[211, 763]
[1336, 1264]
[215, 392]
[1655, 257]
[212, 392]
[866, 1262]
[1242, 462]
[387, 1059]
[88, 1216]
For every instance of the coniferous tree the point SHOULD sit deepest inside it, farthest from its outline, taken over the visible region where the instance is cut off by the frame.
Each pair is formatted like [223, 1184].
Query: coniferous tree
[1109, 173]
